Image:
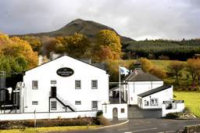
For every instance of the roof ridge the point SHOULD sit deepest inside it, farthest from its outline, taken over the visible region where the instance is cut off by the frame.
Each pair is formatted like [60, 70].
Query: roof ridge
[155, 90]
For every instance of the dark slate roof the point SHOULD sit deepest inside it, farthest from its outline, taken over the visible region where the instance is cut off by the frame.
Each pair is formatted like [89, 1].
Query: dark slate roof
[164, 87]
[139, 75]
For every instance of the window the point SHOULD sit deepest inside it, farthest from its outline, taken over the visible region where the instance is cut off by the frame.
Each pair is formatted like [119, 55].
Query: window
[34, 102]
[34, 84]
[122, 110]
[94, 105]
[77, 102]
[154, 102]
[53, 82]
[77, 84]
[146, 103]
[94, 84]
[53, 105]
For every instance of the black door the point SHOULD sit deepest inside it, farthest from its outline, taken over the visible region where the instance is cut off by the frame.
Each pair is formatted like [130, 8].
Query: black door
[53, 91]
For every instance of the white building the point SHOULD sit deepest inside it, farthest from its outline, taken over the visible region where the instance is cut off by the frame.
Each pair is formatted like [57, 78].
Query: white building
[139, 82]
[64, 84]
[155, 98]
[145, 90]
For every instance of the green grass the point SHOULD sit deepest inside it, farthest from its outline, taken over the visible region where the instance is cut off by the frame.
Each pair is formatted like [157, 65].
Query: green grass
[48, 129]
[192, 101]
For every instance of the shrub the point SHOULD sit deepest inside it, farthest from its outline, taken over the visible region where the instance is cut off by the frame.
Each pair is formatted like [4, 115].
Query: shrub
[101, 120]
[99, 113]
[47, 123]
[172, 115]
[192, 129]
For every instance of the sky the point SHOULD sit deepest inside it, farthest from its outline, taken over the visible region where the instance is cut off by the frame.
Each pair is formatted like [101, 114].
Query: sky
[137, 19]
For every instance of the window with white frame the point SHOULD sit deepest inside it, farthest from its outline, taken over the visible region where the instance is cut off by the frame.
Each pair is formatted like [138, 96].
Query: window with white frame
[53, 105]
[146, 103]
[94, 84]
[154, 102]
[77, 102]
[34, 84]
[34, 102]
[94, 105]
[77, 84]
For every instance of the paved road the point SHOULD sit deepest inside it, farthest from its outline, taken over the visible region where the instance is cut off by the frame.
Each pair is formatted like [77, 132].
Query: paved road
[146, 126]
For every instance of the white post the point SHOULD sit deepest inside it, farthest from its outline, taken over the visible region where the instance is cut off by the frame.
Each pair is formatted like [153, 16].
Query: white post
[35, 121]
[119, 85]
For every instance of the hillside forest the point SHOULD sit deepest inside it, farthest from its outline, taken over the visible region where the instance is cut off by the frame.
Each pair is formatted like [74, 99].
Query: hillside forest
[20, 53]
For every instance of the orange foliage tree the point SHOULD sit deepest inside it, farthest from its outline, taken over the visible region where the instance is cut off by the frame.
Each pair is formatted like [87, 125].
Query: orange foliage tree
[108, 46]
[15, 47]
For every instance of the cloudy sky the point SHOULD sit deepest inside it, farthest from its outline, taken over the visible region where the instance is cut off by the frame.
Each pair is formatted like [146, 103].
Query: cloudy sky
[138, 19]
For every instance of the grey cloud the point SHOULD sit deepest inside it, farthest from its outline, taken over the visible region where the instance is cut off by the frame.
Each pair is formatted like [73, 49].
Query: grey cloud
[138, 19]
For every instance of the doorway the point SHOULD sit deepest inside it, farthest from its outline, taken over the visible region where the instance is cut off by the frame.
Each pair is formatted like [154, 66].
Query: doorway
[53, 91]
[115, 114]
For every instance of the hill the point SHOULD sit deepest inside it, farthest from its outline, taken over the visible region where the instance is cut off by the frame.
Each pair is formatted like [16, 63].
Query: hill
[86, 27]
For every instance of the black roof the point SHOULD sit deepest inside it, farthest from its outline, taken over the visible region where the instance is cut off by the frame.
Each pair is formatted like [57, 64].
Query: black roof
[164, 87]
[139, 75]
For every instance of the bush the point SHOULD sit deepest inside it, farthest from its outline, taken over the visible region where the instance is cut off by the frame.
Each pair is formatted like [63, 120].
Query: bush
[99, 113]
[47, 123]
[192, 129]
[101, 120]
[173, 115]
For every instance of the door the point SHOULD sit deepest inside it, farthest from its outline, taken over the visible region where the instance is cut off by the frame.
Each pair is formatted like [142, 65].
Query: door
[53, 91]
[115, 114]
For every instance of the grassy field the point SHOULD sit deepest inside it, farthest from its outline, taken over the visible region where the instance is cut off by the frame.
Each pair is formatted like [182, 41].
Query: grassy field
[48, 129]
[192, 100]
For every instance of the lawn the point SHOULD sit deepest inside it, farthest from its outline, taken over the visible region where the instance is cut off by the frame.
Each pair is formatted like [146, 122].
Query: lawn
[192, 100]
[48, 129]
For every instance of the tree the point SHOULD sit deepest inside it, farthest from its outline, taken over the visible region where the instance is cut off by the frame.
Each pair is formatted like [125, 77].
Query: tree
[34, 42]
[77, 45]
[12, 65]
[158, 72]
[146, 64]
[16, 48]
[175, 68]
[193, 67]
[108, 42]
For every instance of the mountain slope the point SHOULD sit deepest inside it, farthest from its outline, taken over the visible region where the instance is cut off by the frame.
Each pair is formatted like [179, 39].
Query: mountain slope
[88, 28]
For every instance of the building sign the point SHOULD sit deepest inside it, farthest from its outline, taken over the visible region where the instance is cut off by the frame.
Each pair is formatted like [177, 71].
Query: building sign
[65, 72]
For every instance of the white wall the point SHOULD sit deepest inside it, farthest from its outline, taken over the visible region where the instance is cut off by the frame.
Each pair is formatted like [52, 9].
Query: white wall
[29, 116]
[165, 95]
[177, 107]
[136, 88]
[65, 85]
[108, 111]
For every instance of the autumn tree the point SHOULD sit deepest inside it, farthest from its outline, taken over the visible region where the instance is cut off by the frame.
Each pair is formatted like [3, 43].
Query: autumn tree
[16, 48]
[77, 45]
[193, 67]
[175, 69]
[108, 46]
[34, 41]
[160, 73]
[146, 64]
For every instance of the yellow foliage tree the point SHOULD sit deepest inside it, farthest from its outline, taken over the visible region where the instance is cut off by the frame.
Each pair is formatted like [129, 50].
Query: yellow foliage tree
[109, 41]
[15, 47]
[146, 64]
